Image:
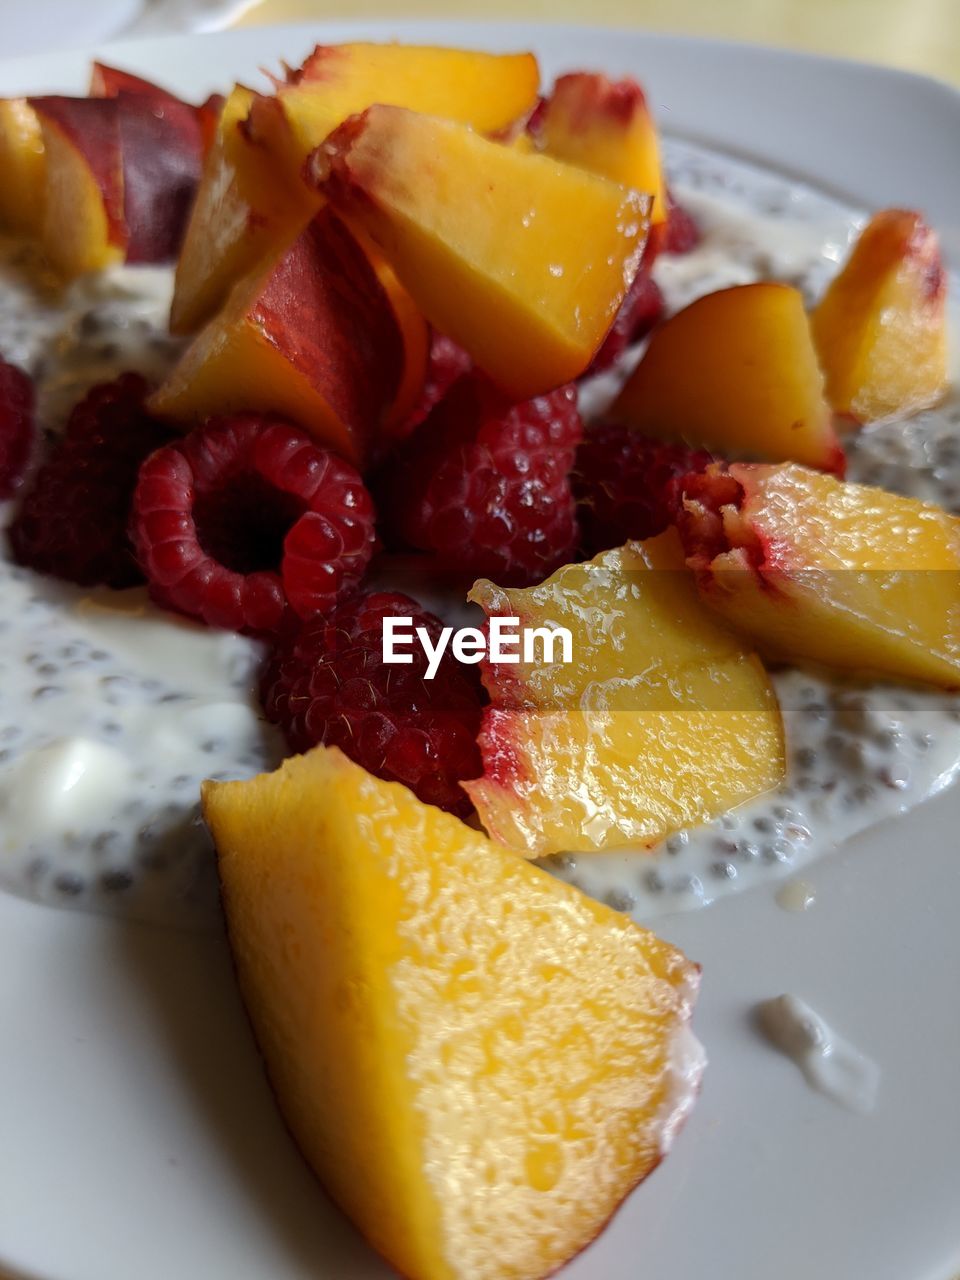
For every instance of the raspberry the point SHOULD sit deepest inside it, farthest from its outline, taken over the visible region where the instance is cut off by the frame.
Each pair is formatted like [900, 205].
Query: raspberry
[447, 362]
[482, 485]
[16, 426]
[326, 682]
[640, 310]
[246, 518]
[683, 234]
[627, 485]
[72, 522]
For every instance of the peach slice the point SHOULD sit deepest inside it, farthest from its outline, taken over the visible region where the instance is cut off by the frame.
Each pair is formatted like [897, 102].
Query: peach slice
[83, 221]
[478, 1061]
[880, 330]
[521, 260]
[736, 371]
[663, 718]
[161, 147]
[22, 164]
[252, 201]
[110, 82]
[244, 215]
[487, 91]
[313, 338]
[605, 126]
[815, 570]
[226, 240]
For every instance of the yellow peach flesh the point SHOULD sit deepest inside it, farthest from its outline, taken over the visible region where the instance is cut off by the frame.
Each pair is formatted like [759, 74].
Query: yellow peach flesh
[880, 329]
[606, 126]
[815, 570]
[662, 719]
[474, 1057]
[22, 165]
[736, 371]
[520, 259]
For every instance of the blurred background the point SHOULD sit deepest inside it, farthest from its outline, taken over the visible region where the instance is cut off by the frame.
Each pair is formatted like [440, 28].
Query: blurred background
[917, 35]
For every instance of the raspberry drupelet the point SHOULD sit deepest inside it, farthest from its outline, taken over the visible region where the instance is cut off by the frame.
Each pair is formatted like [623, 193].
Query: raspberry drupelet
[326, 682]
[246, 520]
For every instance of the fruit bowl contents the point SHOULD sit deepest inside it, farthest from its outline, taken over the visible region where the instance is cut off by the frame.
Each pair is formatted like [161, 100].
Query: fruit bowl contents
[408, 339]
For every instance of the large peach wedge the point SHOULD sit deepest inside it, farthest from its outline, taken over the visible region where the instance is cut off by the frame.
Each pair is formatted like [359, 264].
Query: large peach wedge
[661, 719]
[522, 260]
[880, 329]
[605, 126]
[313, 338]
[478, 1061]
[811, 569]
[736, 371]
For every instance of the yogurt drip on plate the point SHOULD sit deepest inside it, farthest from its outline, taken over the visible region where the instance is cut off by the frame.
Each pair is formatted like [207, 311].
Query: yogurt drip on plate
[112, 711]
[830, 1064]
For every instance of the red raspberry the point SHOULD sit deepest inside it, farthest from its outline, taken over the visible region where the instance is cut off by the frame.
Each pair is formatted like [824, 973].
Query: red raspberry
[72, 522]
[483, 484]
[326, 682]
[245, 516]
[16, 426]
[640, 310]
[447, 362]
[683, 234]
[627, 485]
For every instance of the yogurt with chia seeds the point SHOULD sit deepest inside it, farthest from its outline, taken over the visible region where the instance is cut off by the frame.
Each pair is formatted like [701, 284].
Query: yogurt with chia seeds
[112, 711]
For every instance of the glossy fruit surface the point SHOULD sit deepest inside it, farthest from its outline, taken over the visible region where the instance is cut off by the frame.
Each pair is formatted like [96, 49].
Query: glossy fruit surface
[478, 1061]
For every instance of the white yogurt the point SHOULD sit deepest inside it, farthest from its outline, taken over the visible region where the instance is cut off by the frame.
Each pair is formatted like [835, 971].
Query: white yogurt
[111, 713]
[686, 1063]
[69, 340]
[830, 1064]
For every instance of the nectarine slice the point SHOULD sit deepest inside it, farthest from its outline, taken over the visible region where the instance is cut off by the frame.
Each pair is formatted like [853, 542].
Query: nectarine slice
[605, 126]
[161, 147]
[815, 570]
[880, 330]
[110, 82]
[662, 718]
[22, 168]
[244, 214]
[478, 1061]
[252, 202]
[522, 260]
[736, 371]
[313, 338]
[83, 219]
[488, 91]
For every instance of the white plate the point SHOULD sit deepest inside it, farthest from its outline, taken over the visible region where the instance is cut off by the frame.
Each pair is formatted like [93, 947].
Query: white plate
[67, 24]
[137, 1135]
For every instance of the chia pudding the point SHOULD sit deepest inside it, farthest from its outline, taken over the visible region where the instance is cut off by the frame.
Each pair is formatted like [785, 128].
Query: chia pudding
[111, 711]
